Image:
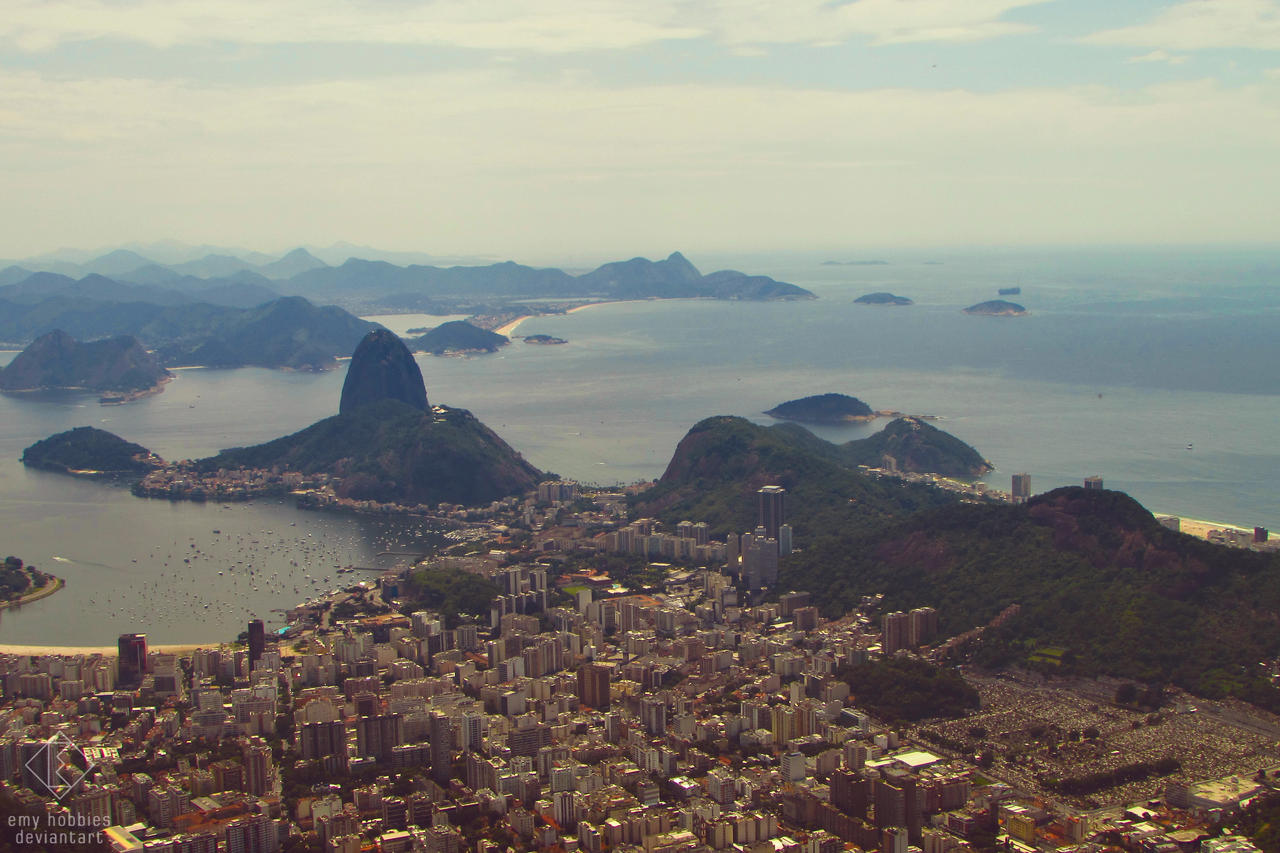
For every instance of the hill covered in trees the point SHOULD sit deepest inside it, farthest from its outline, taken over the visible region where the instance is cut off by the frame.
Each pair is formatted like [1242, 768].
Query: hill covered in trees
[722, 461]
[389, 451]
[458, 336]
[58, 361]
[1102, 588]
[89, 449]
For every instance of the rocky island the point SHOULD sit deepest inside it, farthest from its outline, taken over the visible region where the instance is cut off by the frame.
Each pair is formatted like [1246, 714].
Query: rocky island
[458, 336]
[90, 452]
[882, 298]
[544, 340]
[997, 308]
[823, 409]
[119, 368]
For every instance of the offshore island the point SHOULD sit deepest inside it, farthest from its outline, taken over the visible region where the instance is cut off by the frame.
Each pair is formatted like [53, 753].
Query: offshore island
[761, 646]
[782, 644]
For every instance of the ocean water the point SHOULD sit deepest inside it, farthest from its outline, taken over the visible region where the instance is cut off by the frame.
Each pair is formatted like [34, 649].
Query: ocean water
[1154, 370]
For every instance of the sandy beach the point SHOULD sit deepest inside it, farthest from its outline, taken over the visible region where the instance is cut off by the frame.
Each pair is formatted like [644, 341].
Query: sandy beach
[1200, 528]
[108, 651]
[512, 326]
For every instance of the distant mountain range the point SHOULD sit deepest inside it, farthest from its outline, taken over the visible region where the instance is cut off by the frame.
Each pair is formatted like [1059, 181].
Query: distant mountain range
[285, 332]
[182, 309]
[369, 285]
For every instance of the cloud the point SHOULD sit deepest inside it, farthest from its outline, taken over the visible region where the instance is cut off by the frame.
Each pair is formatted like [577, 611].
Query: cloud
[1159, 56]
[488, 161]
[1201, 25]
[548, 26]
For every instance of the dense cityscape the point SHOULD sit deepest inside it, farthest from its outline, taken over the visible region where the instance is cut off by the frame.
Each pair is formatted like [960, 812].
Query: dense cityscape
[684, 705]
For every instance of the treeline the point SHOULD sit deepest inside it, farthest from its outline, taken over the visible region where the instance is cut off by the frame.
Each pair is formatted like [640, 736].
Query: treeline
[1164, 608]
[16, 579]
[1092, 783]
[1260, 821]
[451, 592]
[907, 690]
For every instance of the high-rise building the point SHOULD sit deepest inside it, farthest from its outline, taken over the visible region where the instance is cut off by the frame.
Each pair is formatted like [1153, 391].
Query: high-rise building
[759, 560]
[132, 663]
[378, 734]
[1021, 489]
[784, 540]
[895, 631]
[256, 757]
[593, 686]
[441, 747]
[257, 641]
[653, 714]
[923, 626]
[772, 505]
[1093, 483]
[320, 739]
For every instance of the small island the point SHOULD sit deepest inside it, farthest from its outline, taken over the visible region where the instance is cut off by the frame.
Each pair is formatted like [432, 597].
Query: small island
[882, 298]
[824, 409]
[119, 368]
[417, 330]
[544, 339]
[1009, 291]
[90, 452]
[458, 336]
[997, 308]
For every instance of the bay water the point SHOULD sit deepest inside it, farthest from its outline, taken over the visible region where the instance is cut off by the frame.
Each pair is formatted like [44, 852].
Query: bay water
[1156, 370]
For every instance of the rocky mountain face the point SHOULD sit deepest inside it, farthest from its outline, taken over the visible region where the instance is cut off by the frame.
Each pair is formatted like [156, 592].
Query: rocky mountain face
[382, 368]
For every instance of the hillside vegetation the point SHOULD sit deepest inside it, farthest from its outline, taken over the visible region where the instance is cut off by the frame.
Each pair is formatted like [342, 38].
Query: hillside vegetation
[1103, 588]
[388, 451]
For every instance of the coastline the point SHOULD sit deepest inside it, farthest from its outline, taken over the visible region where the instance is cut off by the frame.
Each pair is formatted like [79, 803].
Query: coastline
[105, 651]
[1200, 528]
[508, 328]
[45, 591]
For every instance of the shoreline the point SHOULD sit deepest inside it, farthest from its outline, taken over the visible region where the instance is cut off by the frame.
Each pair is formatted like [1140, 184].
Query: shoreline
[508, 328]
[43, 592]
[105, 651]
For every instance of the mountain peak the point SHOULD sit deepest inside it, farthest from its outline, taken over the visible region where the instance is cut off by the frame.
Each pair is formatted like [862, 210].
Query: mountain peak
[382, 368]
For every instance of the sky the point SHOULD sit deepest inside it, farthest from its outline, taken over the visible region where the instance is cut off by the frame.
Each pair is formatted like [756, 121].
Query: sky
[514, 128]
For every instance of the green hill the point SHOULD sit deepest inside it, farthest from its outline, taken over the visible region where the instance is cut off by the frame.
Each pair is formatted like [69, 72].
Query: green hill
[823, 409]
[458, 336]
[89, 449]
[57, 360]
[910, 444]
[1103, 588]
[389, 451]
[722, 461]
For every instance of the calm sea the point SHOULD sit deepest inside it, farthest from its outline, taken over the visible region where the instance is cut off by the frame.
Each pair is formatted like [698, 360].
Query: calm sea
[1154, 370]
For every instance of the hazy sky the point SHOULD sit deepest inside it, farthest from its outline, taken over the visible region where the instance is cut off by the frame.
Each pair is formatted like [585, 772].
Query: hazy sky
[540, 129]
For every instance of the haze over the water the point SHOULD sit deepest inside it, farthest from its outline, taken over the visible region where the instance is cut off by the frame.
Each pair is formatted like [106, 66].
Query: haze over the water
[542, 131]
